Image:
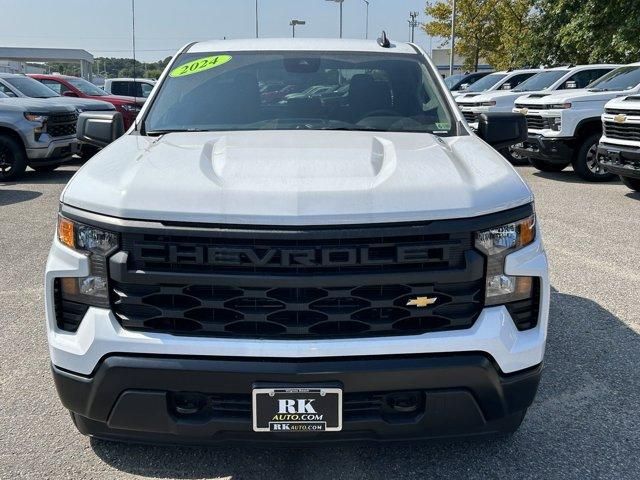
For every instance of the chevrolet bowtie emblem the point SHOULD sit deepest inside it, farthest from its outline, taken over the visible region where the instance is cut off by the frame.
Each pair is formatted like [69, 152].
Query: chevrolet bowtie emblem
[421, 301]
[620, 118]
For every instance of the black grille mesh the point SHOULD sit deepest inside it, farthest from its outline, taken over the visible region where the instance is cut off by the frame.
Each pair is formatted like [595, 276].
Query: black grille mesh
[536, 122]
[622, 131]
[62, 125]
[266, 312]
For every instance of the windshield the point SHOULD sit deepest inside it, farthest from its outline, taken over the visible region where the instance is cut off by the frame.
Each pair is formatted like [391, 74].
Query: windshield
[540, 81]
[377, 92]
[31, 88]
[86, 87]
[485, 83]
[623, 78]
[453, 79]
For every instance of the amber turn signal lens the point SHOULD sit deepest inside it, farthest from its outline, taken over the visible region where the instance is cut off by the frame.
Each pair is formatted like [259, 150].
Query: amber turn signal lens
[527, 230]
[66, 232]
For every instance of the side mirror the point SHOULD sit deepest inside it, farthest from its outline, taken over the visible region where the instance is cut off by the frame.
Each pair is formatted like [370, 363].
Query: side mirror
[99, 128]
[502, 129]
[69, 93]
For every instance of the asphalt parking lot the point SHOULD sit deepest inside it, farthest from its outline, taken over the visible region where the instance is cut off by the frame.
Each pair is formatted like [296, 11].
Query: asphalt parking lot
[584, 423]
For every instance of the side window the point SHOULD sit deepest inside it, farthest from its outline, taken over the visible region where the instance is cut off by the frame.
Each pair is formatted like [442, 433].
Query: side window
[516, 80]
[596, 74]
[144, 90]
[120, 88]
[6, 90]
[55, 86]
[578, 80]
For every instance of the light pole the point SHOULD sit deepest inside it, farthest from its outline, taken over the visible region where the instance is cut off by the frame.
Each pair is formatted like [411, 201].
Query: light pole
[366, 34]
[413, 23]
[453, 37]
[257, 19]
[293, 24]
[340, 2]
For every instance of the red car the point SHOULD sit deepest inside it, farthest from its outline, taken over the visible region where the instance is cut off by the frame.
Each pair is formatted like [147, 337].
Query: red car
[79, 87]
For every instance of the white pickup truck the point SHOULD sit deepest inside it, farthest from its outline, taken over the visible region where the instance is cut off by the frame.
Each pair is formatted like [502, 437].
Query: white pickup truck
[565, 128]
[619, 149]
[239, 269]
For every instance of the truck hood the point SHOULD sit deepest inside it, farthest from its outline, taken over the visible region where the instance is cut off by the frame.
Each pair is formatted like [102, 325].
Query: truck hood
[82, 104]
[33, 105]
[574, 96]
[296, 178]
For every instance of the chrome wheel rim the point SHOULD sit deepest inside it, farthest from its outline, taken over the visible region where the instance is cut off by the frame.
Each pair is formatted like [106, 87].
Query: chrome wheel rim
[592, 161]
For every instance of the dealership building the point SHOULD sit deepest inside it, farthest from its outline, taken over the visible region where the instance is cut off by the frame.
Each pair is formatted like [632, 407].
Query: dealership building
[18, 59]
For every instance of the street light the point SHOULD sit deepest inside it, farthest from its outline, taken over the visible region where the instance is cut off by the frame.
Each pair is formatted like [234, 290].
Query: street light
[293, 24]
[340, 2]
[453, 37]
[413, 23]
[366, 35]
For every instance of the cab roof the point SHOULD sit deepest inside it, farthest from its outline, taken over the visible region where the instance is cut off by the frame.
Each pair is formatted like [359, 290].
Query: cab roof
[299, 44]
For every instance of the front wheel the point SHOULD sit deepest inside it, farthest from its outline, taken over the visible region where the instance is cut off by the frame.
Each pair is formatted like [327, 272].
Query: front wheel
[13, 160]
[545, 166]
[586, 163]
[632, 183]
[513, 157]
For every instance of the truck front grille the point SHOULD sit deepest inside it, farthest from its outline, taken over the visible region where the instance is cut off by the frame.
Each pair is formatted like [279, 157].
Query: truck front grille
[300, 282]
[537, 122]
[470, 117]
[622, 131]
[307, 312]
[62, 125]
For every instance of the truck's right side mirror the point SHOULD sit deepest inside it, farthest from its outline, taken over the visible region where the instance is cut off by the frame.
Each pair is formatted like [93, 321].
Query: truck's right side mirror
[502, 129]
[99, 128]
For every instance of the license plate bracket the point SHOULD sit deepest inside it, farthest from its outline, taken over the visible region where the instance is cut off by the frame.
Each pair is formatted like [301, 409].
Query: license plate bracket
[294, 409]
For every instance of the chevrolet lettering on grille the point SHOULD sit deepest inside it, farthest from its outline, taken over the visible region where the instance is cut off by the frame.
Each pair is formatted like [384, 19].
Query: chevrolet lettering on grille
[285, 257]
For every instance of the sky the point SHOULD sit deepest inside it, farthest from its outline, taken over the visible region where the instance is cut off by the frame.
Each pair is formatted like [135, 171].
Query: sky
[163, 26]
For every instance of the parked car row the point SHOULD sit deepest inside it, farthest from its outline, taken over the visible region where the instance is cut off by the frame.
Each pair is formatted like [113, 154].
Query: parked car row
[566, 117]
[38, 117]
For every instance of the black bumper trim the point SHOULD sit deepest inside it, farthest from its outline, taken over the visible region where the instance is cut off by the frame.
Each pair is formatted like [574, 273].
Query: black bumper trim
[128, 397]
[620, 160]
[558, 151]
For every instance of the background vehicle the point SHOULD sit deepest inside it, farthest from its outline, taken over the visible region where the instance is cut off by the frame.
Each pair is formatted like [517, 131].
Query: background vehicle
[376, 250]
[543, 83]
[129, 87]
[68, 86]
[461, 81]
[35, 133]
[565, 128]
[504, 80]
[619, 148]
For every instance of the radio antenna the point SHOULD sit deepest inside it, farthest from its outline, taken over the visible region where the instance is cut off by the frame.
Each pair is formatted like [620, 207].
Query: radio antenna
[133, 41]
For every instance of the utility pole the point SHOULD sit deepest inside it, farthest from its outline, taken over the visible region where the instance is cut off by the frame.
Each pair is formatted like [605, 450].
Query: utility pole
[366, 34]
[413, 23]
[453, 37]
[293, 24]
[340, 2]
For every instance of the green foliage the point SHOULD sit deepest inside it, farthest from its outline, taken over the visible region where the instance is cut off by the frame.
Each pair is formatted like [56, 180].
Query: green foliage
[516, 33]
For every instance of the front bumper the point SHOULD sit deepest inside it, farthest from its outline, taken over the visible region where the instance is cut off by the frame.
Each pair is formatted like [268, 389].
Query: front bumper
[133, 397]
[553, 150]
[56, 151]
[620, 160]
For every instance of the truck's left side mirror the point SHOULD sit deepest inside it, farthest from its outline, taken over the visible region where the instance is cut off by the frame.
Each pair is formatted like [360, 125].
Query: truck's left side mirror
[99, 128]
[502, 129]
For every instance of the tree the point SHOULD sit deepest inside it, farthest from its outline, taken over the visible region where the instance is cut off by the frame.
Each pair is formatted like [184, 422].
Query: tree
[476, 34]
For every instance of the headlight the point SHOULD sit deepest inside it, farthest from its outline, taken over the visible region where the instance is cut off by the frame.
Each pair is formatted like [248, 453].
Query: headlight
[96, 244]
[35, 117]
[560, 106]
[131, 108]
[496, 243]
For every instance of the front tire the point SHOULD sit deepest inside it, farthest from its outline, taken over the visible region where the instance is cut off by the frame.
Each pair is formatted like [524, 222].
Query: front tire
[13, 159]
[545, 166]
[45, 168]
[586, 163]
[632, 183]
